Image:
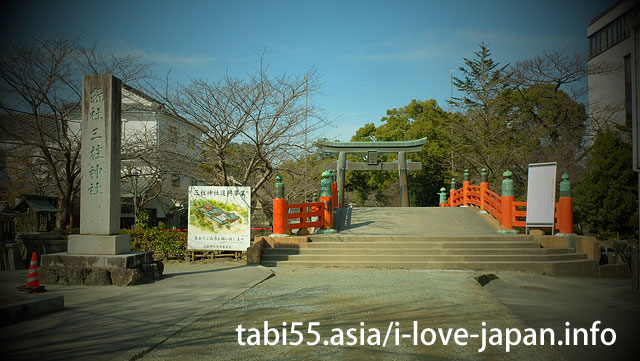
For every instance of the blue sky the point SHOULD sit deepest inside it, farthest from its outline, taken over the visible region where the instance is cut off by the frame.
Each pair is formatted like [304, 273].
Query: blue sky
[372, 55]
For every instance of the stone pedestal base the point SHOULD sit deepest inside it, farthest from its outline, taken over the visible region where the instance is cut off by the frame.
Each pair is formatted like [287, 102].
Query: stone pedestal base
[100, 270]
[95, 244]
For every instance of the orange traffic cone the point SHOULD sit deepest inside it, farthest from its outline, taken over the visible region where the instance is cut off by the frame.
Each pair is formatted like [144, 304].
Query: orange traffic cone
[33, 282]
[32, 277]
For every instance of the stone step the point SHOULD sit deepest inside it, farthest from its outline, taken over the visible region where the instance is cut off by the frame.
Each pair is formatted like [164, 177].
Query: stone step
[424, 245]
[566, 268]
[375, 258]
[438, 239]
[415, 251]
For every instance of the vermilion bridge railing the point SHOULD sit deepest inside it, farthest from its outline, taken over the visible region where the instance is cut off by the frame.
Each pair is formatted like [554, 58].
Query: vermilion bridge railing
[504, 208]
[318, 214]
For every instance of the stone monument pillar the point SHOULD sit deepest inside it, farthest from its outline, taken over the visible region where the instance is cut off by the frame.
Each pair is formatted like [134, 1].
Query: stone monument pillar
[100, 255]
[100, 185]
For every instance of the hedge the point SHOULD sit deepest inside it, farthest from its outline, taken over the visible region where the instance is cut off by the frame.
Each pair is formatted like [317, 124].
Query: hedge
[164, 244]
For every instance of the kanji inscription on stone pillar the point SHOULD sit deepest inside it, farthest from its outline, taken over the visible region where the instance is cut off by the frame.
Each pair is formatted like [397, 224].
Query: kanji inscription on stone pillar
[100, 186]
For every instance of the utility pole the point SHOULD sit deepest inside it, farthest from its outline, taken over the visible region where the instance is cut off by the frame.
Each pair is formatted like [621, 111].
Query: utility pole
[135, 198]
[306, 148]
[450, 123]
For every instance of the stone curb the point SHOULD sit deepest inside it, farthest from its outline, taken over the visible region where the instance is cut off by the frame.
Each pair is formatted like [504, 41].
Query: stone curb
[33, 306]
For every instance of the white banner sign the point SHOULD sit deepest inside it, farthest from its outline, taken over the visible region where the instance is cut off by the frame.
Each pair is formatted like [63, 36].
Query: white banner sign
[541, 195]
[219, 218]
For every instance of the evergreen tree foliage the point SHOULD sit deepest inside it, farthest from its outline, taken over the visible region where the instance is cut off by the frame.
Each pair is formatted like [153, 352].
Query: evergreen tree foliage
[481, 136]
[606, 198]
[510, 116]
[417, 120]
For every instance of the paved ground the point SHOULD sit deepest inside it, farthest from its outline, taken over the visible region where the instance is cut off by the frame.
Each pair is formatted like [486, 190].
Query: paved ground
[193, 314]
[396, 221]
[344, 298]
[103, 323]
[541, 301]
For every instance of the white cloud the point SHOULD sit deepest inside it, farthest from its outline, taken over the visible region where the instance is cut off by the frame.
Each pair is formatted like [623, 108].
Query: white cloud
[123, 48]
[459, 43]
[172, 59]
[519, 42]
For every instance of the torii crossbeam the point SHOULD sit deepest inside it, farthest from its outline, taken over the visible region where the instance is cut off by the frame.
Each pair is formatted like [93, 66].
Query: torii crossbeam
[372, 149]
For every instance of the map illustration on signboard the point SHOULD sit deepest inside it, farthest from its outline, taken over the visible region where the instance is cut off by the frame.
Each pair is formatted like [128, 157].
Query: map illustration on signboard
[219, 218]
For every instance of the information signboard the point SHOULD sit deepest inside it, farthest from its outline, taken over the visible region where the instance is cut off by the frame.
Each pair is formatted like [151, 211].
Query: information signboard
[541, 195]
[219, 218]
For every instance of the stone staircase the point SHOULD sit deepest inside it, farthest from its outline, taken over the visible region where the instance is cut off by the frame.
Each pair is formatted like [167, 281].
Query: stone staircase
[491, 253]
[475, 247]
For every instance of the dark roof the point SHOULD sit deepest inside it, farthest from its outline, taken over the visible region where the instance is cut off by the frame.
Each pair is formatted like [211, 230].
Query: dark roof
[15, 126]
[6, 212]
[39, 203]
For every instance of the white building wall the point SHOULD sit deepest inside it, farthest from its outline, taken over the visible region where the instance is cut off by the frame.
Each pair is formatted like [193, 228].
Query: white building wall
[148, 127]
[136, 125]
[607, 91]
[183, 138]
[157, 128]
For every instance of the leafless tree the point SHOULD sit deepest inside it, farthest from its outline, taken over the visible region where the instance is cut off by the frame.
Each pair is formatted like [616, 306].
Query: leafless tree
[40, 90]
[157, 161]
[568, 72]
[548, 110]
[251, 125]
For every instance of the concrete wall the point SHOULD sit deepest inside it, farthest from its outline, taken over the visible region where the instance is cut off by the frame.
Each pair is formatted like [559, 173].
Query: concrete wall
[17, 255]
[254, 252]
[582, 244]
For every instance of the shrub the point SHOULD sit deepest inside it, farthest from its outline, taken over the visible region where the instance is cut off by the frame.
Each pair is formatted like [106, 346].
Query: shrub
[163, 244]
[143, 220]
[67, 231]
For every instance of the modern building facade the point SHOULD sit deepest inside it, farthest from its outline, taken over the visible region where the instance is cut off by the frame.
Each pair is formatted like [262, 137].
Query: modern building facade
[612, 49]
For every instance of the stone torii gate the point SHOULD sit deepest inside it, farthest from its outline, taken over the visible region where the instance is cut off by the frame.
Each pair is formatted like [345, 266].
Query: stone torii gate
[372, 149]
